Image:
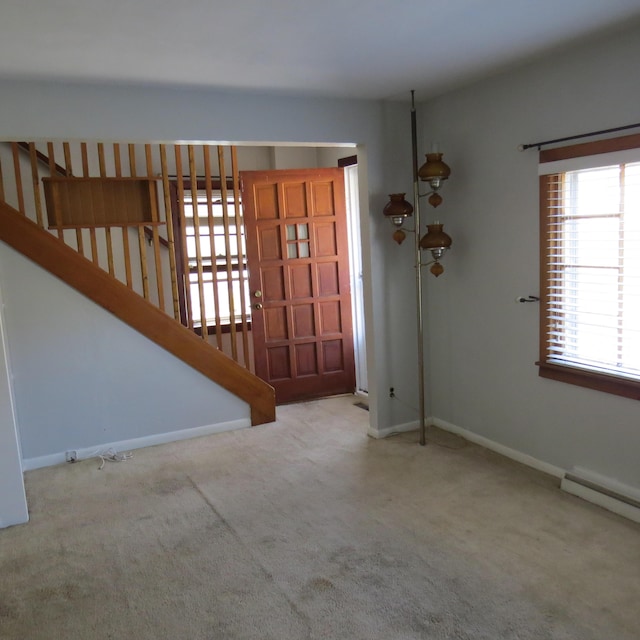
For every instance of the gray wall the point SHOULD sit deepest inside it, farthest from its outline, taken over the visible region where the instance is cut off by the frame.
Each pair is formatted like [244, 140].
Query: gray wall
[40, 110]
[483, 345]
[83, 378]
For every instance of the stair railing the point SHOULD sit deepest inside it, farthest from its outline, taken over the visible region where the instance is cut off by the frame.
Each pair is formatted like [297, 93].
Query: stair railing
[123, 206]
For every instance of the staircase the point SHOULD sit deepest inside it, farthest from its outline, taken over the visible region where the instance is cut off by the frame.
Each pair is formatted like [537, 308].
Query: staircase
[135, 292]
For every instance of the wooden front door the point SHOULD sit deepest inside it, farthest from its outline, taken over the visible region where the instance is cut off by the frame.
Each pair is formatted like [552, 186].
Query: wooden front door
[296, 234]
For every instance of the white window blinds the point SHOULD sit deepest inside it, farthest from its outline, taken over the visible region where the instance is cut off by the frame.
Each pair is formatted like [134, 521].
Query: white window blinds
[591, 249]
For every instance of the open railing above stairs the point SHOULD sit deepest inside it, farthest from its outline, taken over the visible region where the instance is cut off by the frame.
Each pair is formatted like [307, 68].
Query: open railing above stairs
[118, 215]
[128, 208]
[28, 169]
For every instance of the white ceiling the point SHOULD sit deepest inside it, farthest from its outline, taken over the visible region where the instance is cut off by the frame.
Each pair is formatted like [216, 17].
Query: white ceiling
[352, 48]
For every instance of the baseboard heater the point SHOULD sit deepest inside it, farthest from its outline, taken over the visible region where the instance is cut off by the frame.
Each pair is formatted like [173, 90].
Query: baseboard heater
[609, 498]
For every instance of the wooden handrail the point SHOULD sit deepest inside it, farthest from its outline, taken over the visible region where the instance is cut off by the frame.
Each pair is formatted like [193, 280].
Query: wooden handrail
[44, 159]
[83, 275]
[148, 234]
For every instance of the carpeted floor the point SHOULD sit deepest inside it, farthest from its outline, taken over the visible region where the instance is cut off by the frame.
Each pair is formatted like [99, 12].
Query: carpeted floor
[307, 529]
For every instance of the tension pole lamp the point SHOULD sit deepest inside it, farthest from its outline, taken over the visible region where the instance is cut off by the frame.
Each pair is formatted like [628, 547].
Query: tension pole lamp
[434, 172]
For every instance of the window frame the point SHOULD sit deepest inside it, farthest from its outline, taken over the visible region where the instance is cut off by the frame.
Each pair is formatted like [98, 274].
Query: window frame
[575, 375]
[183, 276]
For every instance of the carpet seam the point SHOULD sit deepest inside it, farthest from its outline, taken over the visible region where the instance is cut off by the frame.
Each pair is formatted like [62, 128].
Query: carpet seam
[302, 616]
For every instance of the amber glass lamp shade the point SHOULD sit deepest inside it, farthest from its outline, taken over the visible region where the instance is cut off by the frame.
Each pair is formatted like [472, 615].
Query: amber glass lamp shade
[435, 239]
[438, 242]
[397, 209]
[434, 171]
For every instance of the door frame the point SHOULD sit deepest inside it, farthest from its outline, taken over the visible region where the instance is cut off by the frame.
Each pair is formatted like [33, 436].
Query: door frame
[352, 196]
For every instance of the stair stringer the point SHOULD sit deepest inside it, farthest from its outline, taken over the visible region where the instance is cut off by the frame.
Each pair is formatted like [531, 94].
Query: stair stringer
[84, 276]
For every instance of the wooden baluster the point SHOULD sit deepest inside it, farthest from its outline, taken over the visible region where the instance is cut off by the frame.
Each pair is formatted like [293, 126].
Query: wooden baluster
[101, 160]
[127, 257]
[18, 174]
[85, 159]
[107, 230]
[154, 231]
[241, 258]
[69, 169]
[227, 245]
[170, 237]
[132, 160]
[196, 226]
[117, 163]
[53, 170]
[92, 231]
[35, 179]
[214, 262]
[142, 247]
[183, 239]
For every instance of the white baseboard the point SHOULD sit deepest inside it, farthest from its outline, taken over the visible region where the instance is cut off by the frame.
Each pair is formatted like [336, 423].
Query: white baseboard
[514, 454]
[588, 485]
[390, 431]
[136, 443]
[518, 456]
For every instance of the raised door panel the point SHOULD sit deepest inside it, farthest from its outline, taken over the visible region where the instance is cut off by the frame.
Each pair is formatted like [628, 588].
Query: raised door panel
[304, 325]
[323, 198]
[330, 317]
[266, 199]
[275, 321]
[294, 199]
[328, 281]
[306, 359]
[270, 244]
[279, 365]
[301, 282]
[325, 239]
[332, 355]
[272, 285]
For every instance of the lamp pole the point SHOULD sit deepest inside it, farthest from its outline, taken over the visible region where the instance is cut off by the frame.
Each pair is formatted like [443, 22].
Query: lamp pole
[436, 241]
[418, 266]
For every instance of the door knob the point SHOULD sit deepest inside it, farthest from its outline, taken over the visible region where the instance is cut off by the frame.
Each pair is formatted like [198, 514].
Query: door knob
[258, 306]
[257, 294]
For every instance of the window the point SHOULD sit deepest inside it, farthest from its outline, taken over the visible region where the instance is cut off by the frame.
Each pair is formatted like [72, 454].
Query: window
[590, 241]
[224, 277]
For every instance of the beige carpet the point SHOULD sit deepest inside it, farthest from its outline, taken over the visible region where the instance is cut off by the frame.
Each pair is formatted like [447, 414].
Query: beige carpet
[308, 529]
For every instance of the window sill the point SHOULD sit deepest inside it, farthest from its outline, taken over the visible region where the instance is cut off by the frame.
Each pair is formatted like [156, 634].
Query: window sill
[590, 380]
[224, 328]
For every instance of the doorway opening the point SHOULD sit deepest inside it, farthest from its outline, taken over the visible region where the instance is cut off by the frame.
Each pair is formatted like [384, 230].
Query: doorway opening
[356, 275]
[215, 298]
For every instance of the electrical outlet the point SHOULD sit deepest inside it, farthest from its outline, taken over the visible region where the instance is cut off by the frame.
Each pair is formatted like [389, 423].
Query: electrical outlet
[392, 393]
[71, 456]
